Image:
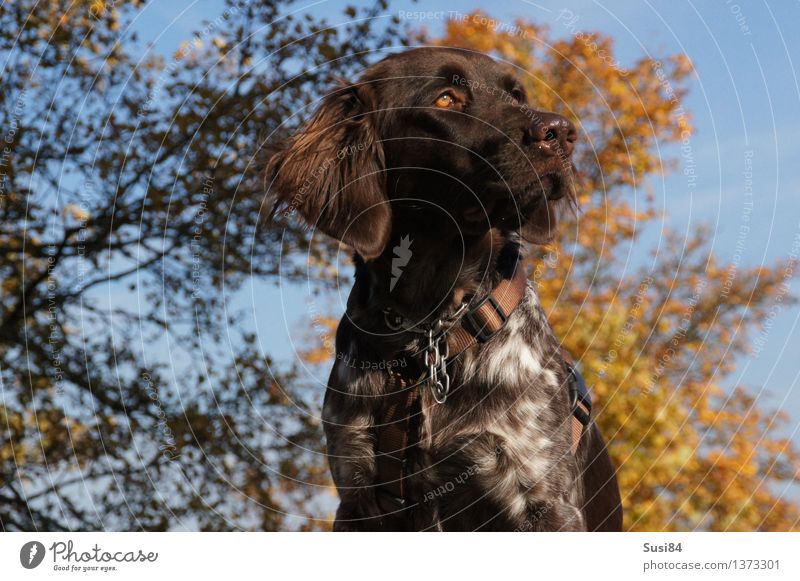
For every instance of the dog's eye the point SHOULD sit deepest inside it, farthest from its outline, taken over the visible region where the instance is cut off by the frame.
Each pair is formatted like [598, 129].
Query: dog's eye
[445, 100]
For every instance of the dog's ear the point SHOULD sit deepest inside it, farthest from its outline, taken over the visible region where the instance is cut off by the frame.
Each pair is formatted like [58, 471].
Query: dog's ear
[331, 173]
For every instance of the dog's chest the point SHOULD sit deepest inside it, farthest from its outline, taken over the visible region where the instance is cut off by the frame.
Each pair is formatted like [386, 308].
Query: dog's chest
[500, 431]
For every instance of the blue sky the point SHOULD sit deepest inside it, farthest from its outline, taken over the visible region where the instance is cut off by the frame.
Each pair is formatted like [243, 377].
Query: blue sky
[744, 101]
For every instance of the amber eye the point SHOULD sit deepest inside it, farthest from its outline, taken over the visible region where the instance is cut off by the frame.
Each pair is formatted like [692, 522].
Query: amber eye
[445, 100]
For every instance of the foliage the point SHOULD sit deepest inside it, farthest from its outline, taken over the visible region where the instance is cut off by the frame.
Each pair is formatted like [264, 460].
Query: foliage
[130, 209]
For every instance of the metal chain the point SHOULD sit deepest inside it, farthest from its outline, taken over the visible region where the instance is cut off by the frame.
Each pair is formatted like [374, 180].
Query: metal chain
[436, 362]
[436, 350]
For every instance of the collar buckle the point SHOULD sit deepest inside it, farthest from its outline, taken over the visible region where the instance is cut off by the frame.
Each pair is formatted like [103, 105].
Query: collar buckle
[579, 399]
[483, 332]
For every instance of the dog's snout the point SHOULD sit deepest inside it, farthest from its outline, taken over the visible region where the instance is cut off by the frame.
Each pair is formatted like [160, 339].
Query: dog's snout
[555, 134]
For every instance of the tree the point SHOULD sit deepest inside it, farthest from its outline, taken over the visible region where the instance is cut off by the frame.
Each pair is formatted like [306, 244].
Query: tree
[131, 207]
[658, 339]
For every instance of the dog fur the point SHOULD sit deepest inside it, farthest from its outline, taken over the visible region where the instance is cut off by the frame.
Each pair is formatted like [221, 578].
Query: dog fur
[463, 182]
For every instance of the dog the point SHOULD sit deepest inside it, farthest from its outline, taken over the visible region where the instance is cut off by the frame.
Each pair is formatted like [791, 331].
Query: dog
[451, 405]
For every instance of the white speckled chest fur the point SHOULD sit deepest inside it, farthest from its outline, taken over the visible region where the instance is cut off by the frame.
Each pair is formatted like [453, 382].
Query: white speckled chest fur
[494, 456]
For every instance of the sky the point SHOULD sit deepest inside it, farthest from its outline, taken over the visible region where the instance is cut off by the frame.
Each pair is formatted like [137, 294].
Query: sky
[744, 100]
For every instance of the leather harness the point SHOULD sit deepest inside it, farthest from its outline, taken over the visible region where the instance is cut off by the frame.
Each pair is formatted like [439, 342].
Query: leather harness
[398, 431]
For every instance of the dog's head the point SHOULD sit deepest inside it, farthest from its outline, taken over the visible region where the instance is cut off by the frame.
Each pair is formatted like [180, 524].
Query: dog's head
[436, 137]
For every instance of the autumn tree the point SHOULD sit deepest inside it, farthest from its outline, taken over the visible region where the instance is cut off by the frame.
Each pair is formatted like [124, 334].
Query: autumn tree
[130, 208]
[656, 338]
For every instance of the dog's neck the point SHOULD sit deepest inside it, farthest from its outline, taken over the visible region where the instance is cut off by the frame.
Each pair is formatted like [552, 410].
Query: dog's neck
[425, 274]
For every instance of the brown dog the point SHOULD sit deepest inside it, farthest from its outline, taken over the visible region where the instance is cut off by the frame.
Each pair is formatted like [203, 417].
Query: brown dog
[450, 405]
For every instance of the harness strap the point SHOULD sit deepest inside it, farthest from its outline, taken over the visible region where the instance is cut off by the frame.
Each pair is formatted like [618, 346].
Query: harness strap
[581, 405]
[396, 434]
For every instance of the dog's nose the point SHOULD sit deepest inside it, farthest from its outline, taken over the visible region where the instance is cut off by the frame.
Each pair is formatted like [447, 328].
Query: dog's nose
[555, 134]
